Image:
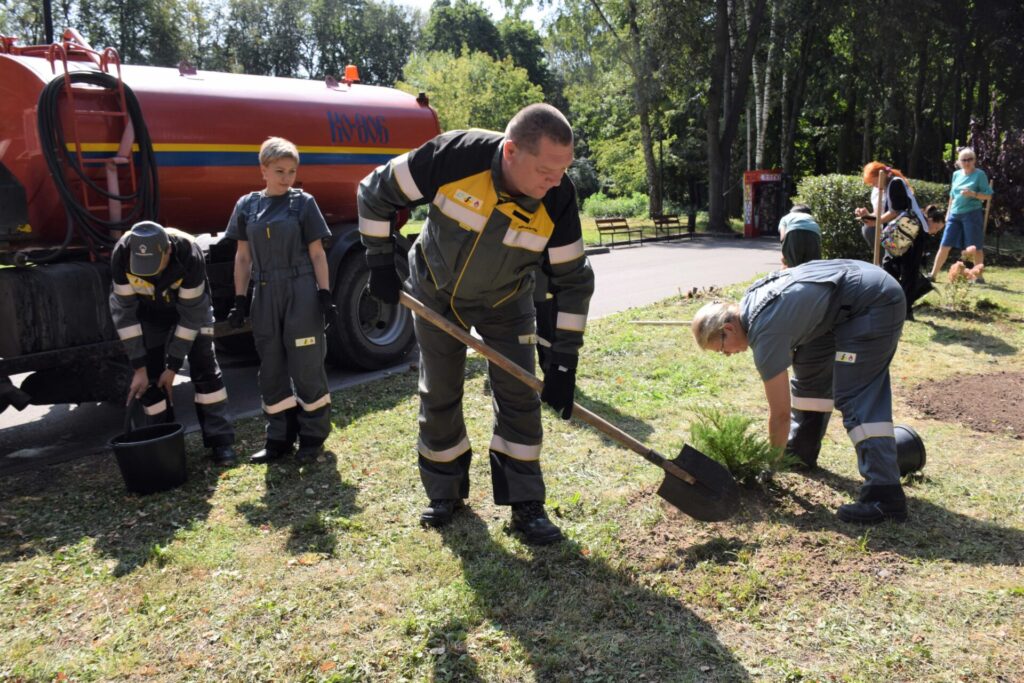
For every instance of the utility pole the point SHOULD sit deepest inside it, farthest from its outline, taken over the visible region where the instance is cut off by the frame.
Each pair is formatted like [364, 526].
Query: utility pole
[47, 22]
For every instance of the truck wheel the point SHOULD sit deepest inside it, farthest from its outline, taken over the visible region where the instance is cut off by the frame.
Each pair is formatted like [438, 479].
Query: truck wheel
[369, 335]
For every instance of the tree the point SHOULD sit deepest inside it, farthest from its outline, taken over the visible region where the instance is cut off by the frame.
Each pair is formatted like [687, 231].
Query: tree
[731, 59]
[450, 27]
[521, 42]
[472, 90]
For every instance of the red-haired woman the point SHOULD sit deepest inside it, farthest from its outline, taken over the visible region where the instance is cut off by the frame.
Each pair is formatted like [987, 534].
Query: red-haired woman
[898, 201]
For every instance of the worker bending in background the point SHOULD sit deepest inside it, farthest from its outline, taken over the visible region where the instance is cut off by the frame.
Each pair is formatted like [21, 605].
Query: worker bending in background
[501, 206]
[800, 235]
[837, 323]
[279, 232]
[161, 308]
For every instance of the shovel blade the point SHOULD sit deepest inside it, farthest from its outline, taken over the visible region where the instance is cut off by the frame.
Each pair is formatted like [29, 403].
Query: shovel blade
[715, 495]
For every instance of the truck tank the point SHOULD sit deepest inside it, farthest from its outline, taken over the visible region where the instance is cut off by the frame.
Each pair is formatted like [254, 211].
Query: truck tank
[179, 146]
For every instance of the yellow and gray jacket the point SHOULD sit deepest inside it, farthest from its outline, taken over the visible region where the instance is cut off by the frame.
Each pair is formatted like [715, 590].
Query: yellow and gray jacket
[179, 293]
[480, 244]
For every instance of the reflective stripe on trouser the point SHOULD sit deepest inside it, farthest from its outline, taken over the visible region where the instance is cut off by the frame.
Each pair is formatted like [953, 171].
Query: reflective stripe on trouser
[288, 329]
[515, 468]
[811, 397]
[860, 376]
[211, 399]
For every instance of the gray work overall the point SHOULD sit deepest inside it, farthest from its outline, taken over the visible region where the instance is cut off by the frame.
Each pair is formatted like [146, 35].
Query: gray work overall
[287, 324]
[845, 364]
[444, 448]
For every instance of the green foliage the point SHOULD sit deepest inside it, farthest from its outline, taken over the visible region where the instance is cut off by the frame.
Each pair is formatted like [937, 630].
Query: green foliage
[833, 198]
[727, 438]
[621, 160]
[460, 27]
[599, 205]
[472, 90]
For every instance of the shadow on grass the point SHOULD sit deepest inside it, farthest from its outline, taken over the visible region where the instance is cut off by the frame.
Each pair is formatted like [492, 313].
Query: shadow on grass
[311, 500]
[931, 532]
[638, 429]
[575, 618]
[62, 506]
[978, 341]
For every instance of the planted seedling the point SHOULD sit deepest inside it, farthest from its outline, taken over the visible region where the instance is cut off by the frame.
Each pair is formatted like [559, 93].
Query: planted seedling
[731, 439]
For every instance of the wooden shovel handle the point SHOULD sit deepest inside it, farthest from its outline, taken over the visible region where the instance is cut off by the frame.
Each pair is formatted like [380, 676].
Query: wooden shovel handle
[537, 384]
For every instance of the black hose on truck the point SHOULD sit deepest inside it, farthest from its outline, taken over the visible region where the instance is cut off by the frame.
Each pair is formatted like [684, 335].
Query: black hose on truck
[94, 230]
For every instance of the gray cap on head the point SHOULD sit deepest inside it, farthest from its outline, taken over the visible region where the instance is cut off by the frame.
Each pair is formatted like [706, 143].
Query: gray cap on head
[147, 243]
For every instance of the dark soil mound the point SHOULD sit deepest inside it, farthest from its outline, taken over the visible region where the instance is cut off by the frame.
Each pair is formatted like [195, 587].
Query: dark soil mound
[987, 403]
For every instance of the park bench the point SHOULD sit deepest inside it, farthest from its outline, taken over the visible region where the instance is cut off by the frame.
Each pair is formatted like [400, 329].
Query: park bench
[616, 225]
[670, 225]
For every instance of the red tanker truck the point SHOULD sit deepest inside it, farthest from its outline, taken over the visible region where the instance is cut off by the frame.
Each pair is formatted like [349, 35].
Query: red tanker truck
[89, 146]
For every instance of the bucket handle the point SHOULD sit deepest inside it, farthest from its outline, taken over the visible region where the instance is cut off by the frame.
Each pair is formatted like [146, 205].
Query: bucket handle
[135, 409]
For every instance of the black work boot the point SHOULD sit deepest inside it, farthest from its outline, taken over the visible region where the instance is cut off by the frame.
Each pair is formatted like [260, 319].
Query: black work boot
[440, 511]
[532, 522]
[876, 504]
[270, 452]
[223, 455]
[308, 451]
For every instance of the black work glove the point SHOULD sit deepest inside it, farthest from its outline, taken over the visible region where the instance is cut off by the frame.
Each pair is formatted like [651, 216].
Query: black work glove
[327, 307]
[559, 388]
[239, 310]
[384, 283]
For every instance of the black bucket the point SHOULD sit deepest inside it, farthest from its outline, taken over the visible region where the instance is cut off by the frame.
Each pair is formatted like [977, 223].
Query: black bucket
[151, 458]
[909, 450]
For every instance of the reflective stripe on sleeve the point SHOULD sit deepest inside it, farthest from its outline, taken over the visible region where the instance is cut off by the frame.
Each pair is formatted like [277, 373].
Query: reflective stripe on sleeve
[871, 430]
[571, 321]
[123, 290]
[456, 211]
[447, 455]
[280, 406]
[521, 239]
[129, 332]
[324, 400]
[185, 333]
[570, 252]
[192, 292]
[155, 409]
[400, 167]
[372, 228]
[212, 397]
[519, 451]
[816, 405]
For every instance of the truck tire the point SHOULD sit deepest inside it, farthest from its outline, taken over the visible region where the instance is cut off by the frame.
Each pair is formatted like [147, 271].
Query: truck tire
[369, 335]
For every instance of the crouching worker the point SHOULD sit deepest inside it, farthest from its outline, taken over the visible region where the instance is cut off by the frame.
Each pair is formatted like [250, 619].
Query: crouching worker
[800, 235]
[837, 323]
[501, 206]
[161, 308]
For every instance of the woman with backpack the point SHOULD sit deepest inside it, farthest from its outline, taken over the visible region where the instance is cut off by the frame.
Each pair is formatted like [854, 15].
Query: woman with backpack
[906, 225]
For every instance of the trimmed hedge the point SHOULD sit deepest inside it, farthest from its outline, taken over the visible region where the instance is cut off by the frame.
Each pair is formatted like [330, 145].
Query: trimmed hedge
[600, 205]
[833, 198]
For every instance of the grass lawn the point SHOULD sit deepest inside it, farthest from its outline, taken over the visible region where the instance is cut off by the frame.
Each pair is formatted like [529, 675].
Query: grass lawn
[320, 573]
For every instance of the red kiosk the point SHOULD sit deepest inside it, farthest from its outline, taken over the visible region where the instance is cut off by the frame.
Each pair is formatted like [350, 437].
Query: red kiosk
[763, 202]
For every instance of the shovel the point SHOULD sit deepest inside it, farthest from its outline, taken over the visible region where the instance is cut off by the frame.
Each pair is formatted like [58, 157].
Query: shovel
[694, 483]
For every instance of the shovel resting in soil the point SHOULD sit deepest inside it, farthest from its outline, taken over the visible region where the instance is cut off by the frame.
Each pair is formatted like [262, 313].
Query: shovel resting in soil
[694, 483]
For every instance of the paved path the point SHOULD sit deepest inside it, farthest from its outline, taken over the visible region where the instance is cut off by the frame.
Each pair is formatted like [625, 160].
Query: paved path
[626, 277]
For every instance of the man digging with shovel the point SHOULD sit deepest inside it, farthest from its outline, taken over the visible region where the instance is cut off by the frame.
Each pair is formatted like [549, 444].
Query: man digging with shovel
[501, 206]
[837, 323]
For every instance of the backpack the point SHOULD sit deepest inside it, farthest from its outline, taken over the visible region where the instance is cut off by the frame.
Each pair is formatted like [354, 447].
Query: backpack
[899, 234]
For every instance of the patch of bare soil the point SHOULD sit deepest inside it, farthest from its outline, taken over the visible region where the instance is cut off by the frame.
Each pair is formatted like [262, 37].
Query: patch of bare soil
[986, 403]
